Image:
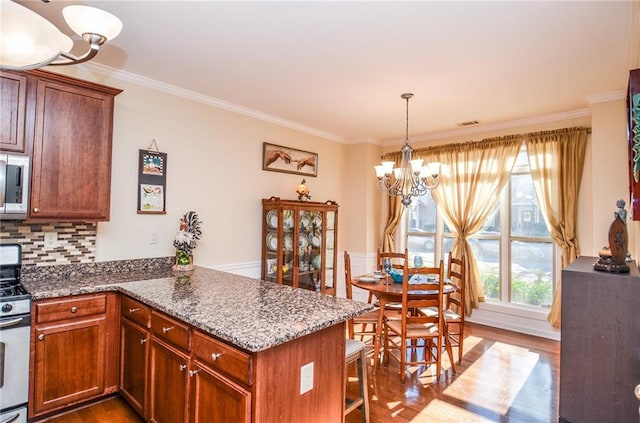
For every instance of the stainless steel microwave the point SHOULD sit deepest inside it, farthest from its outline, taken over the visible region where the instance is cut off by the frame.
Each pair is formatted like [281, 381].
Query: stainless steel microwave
[14, 186]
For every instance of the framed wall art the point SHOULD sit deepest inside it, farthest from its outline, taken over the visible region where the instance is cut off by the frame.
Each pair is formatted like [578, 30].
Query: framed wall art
[289, 160]
[152, 181]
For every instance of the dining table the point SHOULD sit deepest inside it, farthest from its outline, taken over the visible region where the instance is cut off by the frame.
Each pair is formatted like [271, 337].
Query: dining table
[388, 292]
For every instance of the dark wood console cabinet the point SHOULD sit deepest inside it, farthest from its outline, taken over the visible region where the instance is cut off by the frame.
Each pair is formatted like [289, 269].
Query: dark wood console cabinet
[600, 348]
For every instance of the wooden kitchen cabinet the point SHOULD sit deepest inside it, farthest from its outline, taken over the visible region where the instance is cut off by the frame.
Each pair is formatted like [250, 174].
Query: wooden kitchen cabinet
[72, 138]
[215, 398]
[14, 89]
[299, 241]
[134, 353]
[169, 369]
[220, 377]
[74, 351]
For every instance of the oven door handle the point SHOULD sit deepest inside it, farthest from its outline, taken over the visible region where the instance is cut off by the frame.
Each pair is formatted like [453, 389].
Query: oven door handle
[10, 323]
[11, 418]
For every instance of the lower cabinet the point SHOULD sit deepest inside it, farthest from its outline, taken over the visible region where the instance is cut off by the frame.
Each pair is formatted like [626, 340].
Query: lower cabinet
[217, 399]
[169, 378]
[73, 351]
[134, 369]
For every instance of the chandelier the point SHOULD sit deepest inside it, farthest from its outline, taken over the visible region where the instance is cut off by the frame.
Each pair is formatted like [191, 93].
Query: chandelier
[411, 179]
[29, 41]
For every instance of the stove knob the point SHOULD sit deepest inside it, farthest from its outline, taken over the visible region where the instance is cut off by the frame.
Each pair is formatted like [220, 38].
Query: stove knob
[6, 308]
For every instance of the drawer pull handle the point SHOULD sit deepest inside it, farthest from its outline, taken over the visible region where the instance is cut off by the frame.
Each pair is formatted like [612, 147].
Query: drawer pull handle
[165, 330]
[193, 372]
[182, 367]
[133, 310]
[36, 210]
[215, 356]
[143, 340]
[41, 336]
[74, 309]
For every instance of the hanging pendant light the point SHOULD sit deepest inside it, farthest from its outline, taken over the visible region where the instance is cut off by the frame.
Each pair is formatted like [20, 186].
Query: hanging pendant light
[411, 179]
[29, 41]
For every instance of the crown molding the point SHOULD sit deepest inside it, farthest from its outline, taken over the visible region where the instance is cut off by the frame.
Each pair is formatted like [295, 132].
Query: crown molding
[211, 101]
[481, 128]
[606, 97]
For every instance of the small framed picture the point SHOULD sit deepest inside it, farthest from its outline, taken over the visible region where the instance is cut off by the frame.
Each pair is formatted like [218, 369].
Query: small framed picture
[152, 182]
[289, 160]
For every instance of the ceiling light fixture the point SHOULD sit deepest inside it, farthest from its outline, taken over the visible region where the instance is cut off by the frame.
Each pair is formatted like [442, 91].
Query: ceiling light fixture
[29, 41]
[411, 179]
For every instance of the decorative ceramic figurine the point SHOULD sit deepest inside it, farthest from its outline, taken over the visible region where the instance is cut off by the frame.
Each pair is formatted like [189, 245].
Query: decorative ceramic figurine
[303, 191]
[186, 241]
[618, 244]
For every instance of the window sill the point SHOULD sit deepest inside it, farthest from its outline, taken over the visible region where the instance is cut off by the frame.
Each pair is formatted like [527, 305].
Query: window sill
[514, 318]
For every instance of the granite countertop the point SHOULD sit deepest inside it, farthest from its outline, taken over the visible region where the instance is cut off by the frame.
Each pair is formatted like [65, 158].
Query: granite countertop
[250, 314]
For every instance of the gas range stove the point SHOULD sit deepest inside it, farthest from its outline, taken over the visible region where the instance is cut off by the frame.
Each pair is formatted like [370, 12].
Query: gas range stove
[15, 322]
[14, 298]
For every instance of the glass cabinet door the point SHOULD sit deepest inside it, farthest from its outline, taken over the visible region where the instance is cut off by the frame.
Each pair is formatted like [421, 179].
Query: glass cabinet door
[330, 256]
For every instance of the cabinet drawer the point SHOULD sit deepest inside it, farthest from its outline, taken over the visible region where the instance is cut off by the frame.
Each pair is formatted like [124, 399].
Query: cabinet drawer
[71, 308]
[222, 357]
[135, 311]
[170, 330]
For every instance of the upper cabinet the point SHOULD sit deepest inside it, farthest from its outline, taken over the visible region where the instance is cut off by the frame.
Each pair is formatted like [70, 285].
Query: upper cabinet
[70, 124]
[13, 103]
[299, 241]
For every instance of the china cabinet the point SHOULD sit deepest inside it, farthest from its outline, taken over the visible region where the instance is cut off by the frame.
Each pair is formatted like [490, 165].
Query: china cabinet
[299, 241]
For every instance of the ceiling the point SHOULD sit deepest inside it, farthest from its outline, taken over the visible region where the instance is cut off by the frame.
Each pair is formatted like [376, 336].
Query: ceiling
[337, 69]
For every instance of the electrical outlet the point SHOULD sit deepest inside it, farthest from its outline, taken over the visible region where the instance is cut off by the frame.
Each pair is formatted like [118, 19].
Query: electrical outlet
[306, 378]
[50, 240]
[154, 238]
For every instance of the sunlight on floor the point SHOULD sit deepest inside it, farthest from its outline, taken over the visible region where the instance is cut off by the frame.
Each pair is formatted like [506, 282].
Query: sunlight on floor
[509, 375]
[440, 411]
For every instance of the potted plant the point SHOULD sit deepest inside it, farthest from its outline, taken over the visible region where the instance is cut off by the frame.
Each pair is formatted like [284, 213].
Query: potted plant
[186, 241]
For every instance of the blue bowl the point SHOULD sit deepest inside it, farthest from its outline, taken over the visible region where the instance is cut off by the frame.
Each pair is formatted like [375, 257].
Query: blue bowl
[396, 275]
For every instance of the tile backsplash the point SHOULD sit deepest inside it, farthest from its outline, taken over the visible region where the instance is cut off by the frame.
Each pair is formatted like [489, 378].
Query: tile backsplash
[74, 242]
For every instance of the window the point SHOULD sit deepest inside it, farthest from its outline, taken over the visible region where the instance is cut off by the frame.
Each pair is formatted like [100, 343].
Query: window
[514, 250]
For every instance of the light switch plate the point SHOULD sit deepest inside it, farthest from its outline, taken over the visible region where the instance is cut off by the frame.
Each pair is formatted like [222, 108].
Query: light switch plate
[306, 378]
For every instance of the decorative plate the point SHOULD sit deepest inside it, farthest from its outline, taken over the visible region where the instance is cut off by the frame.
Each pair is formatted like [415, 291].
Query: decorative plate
[288, 219]
[288, 242]
[368, 279]
[272, 219]
[316, 240]
[272, 241]
[303, 241]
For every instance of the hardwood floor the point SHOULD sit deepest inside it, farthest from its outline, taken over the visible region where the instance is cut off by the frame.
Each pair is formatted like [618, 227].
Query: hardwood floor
[504, 377]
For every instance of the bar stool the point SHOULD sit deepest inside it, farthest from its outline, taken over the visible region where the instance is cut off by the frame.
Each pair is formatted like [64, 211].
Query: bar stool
[355, 352]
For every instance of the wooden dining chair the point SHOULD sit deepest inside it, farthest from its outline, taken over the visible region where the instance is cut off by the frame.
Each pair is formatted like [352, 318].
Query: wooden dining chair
[414, 331]
[398, 261]
[364, 324]
[454, 304]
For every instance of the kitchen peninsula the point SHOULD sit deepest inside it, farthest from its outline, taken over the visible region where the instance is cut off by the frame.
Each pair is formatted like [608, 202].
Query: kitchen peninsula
[186, 346]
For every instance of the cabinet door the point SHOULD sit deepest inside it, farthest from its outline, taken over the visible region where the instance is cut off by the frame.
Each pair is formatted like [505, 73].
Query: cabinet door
[71, 152]
[216, 399]
[168, 384]
[133, 365]
[69, 363]
[13, 94]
